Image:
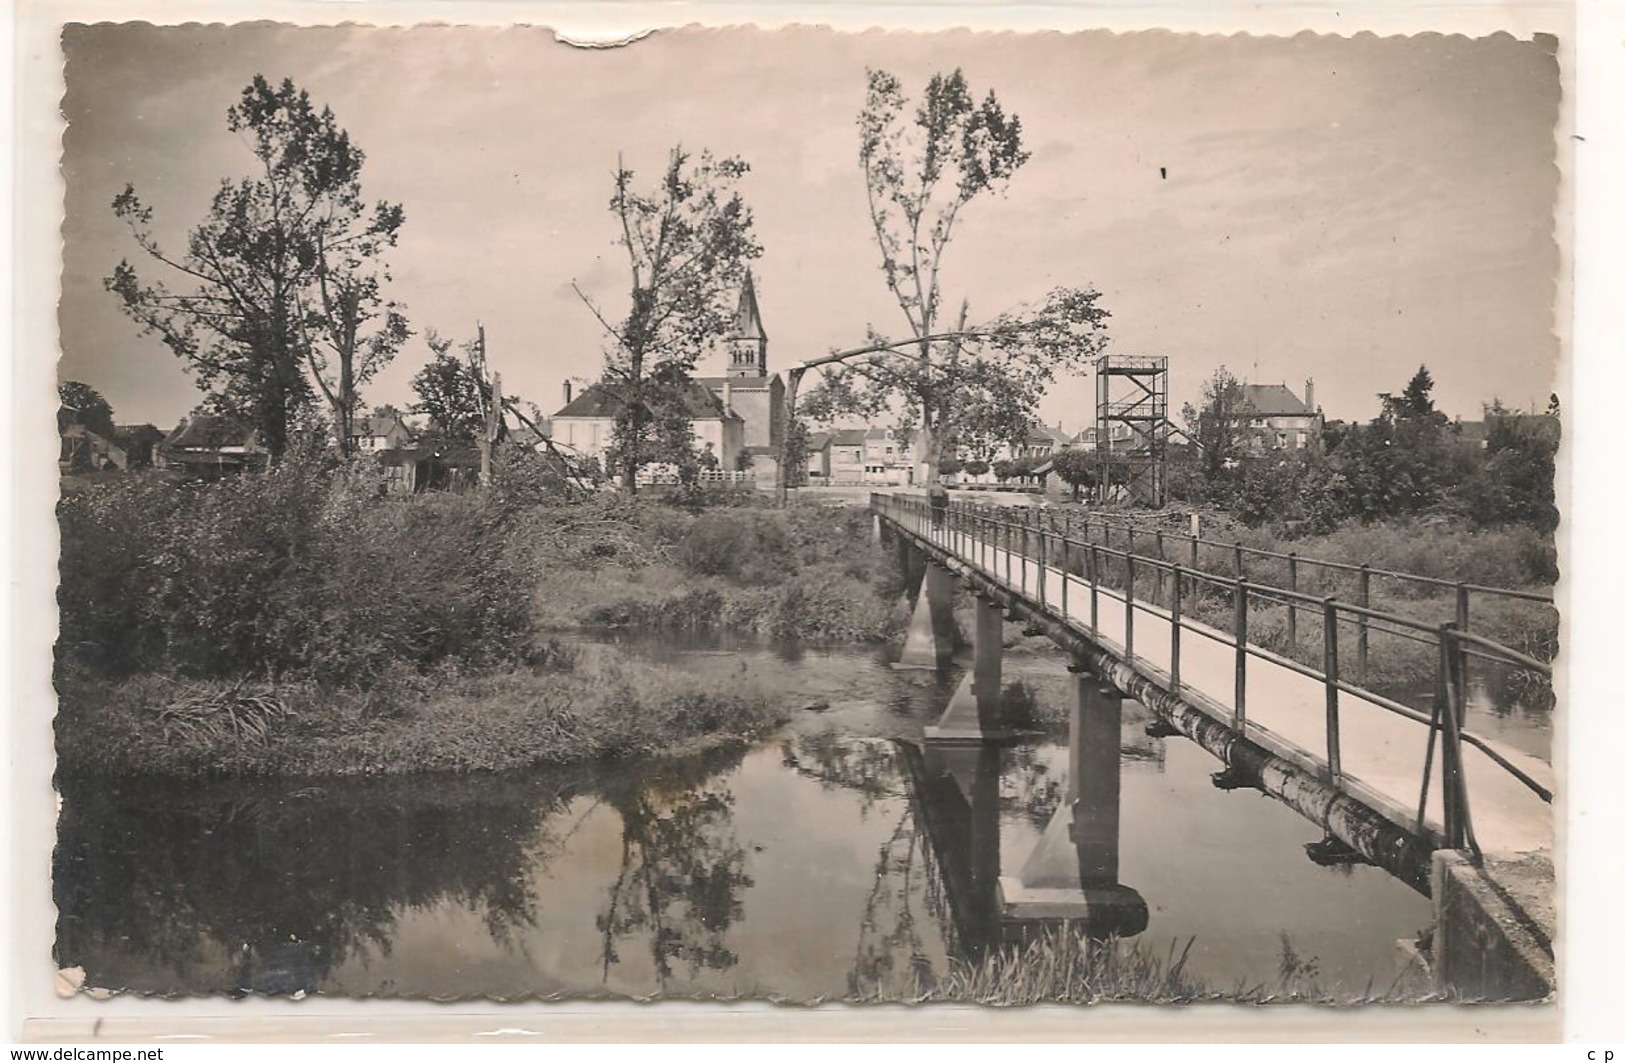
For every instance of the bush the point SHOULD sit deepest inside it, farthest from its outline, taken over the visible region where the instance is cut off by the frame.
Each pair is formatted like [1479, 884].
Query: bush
[744, 547]
[295, 572]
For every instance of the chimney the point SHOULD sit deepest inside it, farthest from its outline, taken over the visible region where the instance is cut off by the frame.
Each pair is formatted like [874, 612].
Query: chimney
[567, 392]
[1309, 394]
[728, 396]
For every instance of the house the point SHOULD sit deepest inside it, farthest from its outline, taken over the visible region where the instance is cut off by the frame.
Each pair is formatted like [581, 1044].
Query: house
[888, 456]
[140, 443]
[82, 450]
[1273, 418]
[208, 446]
[1041, 442]
[429, 465]
[386, 431]
[585, 424]
[846, 450]
[737, 417]
[1119, 435]
[818, 457]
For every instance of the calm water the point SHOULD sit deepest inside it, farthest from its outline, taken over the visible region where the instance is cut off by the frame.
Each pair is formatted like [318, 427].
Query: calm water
[832, 860]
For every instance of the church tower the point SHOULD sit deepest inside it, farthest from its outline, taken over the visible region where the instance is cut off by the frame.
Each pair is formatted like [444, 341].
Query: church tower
[747, 346]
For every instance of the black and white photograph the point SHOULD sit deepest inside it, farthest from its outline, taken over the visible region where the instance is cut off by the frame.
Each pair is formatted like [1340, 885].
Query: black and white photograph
[809, 516]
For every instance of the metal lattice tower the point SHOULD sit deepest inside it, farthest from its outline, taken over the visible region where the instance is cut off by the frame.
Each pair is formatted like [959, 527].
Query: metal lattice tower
[1132, 391]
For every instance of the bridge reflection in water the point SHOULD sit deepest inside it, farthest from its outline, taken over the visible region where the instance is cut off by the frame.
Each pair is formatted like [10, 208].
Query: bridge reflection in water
[1070, 880]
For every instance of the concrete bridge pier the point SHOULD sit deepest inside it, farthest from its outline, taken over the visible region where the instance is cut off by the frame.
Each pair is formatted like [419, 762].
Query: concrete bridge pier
[1072, 874]
[930, 640]
[975, 713]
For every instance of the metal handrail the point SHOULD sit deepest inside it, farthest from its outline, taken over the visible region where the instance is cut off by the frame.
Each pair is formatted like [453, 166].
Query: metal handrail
[1338, 566]
[1032, 541]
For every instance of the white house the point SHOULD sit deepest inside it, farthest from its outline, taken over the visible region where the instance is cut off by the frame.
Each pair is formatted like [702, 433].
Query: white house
[585, 425]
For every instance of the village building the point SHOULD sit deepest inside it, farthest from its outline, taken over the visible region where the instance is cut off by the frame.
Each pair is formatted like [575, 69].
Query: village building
[82, 450]
[387, 431]
[209, 446]
[748, 390]
[140, 443]
[1273, 418]
[585, 424]
[737, 417]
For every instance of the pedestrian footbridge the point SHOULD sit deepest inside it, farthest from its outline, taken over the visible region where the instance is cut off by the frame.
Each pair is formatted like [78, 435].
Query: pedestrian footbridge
[1165, 620]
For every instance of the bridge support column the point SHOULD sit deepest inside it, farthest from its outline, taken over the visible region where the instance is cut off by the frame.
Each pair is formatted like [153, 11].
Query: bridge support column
[929, 643]
[1072, 874]
[976, 712]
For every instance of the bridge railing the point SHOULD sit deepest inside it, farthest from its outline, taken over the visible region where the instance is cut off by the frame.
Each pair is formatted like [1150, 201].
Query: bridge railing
[998, 540]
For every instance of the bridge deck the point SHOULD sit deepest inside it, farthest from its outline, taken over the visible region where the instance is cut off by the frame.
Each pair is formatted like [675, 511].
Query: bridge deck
[1382, 753]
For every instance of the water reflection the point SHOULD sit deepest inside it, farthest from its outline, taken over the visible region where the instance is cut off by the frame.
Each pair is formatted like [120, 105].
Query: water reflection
[254, 888]
[682, 871]
[837, 860]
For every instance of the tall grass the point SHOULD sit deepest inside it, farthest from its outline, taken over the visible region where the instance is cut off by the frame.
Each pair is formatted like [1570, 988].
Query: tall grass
[595, 705]
[1064, 966]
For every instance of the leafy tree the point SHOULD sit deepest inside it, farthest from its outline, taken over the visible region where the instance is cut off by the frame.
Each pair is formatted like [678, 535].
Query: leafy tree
[687, 243]
[453, 392]
[1219, 424]
[82, 404]
[950, 465]
[976, 467]
[921, 170]
[283, 276]
[1516, 481]
[1407, 460]
[1077, 468]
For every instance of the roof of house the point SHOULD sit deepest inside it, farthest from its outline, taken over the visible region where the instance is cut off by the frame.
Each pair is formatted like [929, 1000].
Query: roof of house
[748, 318]
[379, 426]
[138, 432]
[202, 431]
[849, 437]
[1043, 433]
[595, 402]
[1274, 400]
[817, 441]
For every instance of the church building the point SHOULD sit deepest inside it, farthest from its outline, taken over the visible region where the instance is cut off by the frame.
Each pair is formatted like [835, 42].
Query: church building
[738, 417]
[747, 389]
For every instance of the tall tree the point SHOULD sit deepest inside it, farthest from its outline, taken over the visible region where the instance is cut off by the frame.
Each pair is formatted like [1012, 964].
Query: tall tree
[687, 242]
[1218, 424]
[282, 276]
[453, 392]
[81, 404]
[921, 169]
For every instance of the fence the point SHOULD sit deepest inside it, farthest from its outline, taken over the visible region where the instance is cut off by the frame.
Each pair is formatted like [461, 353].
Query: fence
[984, 535]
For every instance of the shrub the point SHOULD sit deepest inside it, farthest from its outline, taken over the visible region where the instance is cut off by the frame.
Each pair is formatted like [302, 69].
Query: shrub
[745, 547]
[294, 572]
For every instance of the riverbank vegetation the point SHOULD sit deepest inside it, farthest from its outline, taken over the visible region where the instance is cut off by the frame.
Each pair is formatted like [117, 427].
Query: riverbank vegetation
[1063, 966]
[297, 621]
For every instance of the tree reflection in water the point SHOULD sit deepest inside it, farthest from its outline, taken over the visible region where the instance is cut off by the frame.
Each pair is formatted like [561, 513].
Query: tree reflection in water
[165, 888]
[908, 896]
[682, 868]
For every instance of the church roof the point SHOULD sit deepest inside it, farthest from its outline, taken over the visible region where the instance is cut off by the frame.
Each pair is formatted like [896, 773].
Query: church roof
[597, 402]
[748, 318]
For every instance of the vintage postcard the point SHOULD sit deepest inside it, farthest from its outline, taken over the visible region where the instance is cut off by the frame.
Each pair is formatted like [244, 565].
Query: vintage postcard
[799, 515]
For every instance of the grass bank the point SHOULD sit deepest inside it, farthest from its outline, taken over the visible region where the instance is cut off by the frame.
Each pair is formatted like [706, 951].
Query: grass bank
[809, 572]
[586, 703]
[300, 622]
[1060, 966]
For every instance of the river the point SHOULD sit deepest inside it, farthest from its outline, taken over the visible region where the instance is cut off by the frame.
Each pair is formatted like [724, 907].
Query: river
[811, 866]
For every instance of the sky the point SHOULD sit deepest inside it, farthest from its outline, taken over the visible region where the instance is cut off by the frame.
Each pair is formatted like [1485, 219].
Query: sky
[1344, 209]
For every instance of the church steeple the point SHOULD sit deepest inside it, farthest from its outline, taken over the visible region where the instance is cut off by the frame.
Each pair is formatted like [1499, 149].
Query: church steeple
[747, 346]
